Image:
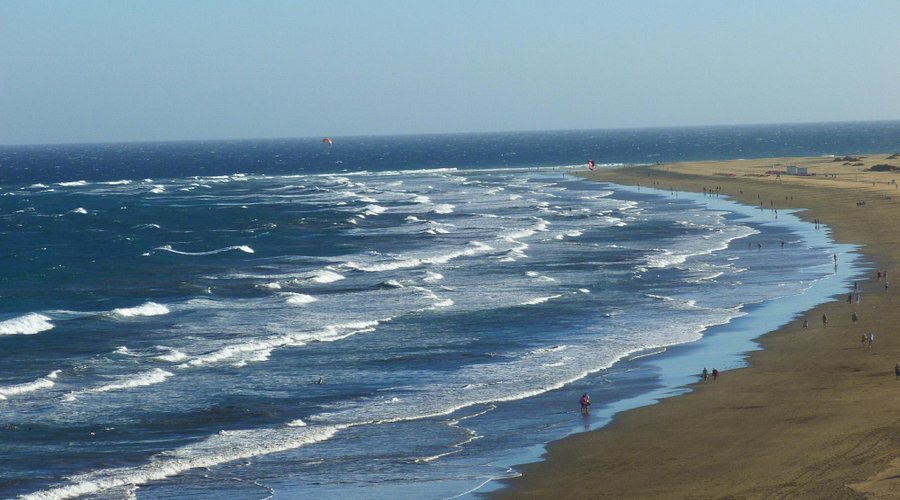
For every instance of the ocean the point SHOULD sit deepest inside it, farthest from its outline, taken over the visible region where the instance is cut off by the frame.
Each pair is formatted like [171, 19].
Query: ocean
[380, 317]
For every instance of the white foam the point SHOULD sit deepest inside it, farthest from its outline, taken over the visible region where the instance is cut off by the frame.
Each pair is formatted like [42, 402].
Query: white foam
[538, 276]
[44, 382]
[473, 248]
[145, 309]
[443, 208]
[226, 446]
[78, 210]
[256, 350]
[677, 303]
[431, 277]
[243, 248]
[124, 351]
[299, 299]
[540, 300]
[326, 276]
[274, 285]
[158, 189]
[172, 355]
[152, 377]
[544, 350]
[28, 324]
[421, 199]
[373, 209]
[72, 183]
[436, 230]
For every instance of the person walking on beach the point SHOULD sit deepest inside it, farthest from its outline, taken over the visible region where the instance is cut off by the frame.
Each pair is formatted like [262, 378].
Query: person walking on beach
[824, 321]
[704, 374]
[585, 404]
[854, 317]
[715, 374]
[805, 323]
[870, 339]
[897, 371]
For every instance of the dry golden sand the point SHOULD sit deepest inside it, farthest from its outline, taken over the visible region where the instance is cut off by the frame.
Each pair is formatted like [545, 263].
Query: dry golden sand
[815, 415]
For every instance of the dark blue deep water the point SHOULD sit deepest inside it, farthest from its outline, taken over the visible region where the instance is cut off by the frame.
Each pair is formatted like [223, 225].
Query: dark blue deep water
[383, 317]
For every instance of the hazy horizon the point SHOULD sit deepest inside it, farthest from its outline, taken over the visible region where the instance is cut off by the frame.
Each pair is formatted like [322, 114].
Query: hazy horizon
[450, 133]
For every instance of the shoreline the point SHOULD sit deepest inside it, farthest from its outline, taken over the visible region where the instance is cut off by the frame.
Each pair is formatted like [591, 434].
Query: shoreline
[813, 412]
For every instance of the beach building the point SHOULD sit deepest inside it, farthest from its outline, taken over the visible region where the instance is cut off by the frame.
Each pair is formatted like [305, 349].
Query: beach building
[795, 170]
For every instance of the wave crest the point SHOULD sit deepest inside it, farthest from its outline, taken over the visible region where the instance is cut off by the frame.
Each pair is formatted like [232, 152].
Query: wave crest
[28, 324]
[145, 309]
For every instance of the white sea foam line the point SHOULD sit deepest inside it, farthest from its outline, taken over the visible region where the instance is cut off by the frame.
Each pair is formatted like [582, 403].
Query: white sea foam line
[151, 377]
[326, 276]
[474, 248]
[373, 209]
[28, 324]
[540, 300]
[299, 299]
[243, 248]
[227, 446]
[673, 257]
[44, 382]
[145, 309]
[260, 349]
[172, 355]
[431, 277]
[545, 350]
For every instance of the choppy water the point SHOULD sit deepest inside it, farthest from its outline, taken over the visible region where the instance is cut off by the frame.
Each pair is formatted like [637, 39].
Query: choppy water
[169, 311]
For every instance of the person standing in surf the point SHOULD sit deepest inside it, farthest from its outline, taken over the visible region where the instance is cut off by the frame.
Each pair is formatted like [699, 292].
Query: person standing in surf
[585, 404]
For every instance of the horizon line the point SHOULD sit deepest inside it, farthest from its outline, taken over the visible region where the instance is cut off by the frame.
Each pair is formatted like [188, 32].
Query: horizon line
[495, 132]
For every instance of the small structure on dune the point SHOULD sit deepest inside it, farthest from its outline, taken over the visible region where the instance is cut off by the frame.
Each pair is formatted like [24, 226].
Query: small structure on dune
[795, 170]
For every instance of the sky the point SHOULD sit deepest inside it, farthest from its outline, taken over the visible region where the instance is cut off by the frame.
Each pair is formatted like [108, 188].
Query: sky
[156, 70]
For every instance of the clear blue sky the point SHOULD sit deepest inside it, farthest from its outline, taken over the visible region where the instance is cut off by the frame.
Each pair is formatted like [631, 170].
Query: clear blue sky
[120, 70]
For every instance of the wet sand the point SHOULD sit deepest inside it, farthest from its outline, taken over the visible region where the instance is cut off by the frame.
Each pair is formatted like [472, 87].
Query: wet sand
[816, 414]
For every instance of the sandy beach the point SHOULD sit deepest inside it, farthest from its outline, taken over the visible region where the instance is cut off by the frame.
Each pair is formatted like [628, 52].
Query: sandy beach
[816, 414]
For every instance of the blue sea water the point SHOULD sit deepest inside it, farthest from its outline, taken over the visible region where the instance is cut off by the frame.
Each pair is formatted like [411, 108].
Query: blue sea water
[382, 317]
